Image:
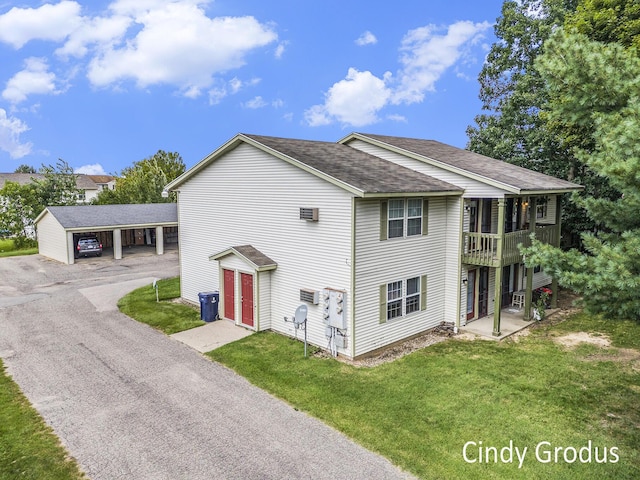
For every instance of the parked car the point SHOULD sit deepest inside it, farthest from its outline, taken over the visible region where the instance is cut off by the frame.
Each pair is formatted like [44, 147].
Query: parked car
[88, 246]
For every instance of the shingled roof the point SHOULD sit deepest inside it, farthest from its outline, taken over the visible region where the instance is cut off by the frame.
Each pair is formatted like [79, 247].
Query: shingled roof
[364, 172]
[114, 216]
[465, 162]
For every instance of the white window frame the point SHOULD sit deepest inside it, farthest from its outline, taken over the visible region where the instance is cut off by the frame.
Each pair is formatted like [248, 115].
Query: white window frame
[405, 218]
[393, 297]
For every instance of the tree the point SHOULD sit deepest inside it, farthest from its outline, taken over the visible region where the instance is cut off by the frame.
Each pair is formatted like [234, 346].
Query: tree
[144, 181]
[594, 88]
[513, 95]
[607, 21]
[58, 185]
[25, 169]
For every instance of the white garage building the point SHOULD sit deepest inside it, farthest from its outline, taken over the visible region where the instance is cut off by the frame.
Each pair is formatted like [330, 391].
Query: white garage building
[58, 228]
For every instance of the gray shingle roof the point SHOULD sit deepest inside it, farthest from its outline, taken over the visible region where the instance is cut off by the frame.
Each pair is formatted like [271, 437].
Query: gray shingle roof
[83, 182]
[506, 173]
[96, 216]
[367, 173]
[251, 254]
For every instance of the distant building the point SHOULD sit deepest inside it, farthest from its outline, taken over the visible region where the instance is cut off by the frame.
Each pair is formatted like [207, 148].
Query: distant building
[91, 185]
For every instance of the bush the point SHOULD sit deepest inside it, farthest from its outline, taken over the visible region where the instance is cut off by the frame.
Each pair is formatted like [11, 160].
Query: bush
[21, 242]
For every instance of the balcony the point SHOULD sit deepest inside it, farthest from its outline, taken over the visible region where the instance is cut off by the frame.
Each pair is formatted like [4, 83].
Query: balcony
[482, 248]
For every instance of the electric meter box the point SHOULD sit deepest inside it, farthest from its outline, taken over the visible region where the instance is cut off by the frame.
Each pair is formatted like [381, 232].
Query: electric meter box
[335, 306]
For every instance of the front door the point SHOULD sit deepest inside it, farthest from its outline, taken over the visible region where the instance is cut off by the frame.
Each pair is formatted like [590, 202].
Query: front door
[229, 294]
[247, 299]
[471, 294]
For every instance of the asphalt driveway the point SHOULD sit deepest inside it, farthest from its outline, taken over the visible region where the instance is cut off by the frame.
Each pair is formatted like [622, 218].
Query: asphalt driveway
[129, 402]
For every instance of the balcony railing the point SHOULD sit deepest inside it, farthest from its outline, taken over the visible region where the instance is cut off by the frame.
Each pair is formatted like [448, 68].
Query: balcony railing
[482, 248]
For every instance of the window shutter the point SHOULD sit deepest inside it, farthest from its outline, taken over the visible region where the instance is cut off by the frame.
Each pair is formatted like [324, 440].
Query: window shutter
[425, 217]
[383, 221]
[383, 303]
[423, 292]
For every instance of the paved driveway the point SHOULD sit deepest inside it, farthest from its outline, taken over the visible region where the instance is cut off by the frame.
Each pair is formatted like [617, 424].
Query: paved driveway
[130, 402]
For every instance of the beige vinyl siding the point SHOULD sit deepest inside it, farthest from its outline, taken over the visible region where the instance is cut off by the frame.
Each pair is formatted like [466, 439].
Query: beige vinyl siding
[453, 279]
[52, 239]
[473, 188]
[249, 197]
[380, 262]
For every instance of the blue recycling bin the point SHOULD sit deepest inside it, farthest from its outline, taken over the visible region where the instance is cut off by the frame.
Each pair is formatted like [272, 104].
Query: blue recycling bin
[209, 305]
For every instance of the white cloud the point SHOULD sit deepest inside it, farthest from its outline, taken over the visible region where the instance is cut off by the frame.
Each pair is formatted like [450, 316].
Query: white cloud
[179, 45]
[367, 38]
[10, 130]
[355, 100]
[254, 103]
[280, 49]
[48, 22]
[92, 169]
[101, 31]
[426, 55]
[35, 78]
[233, 86]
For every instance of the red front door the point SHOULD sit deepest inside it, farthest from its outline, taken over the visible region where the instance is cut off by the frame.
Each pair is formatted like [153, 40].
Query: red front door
[229, 294]
[247, 299]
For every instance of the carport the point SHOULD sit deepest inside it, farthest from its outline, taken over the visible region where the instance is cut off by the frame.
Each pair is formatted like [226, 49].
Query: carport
[58, 228]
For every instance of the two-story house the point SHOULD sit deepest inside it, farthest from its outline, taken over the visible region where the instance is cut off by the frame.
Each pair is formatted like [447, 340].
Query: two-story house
[381, 237]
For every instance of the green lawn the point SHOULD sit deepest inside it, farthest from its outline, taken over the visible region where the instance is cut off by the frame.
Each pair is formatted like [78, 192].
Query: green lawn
[28, 447]
[7, 249]
[419, 411]
[167, 316]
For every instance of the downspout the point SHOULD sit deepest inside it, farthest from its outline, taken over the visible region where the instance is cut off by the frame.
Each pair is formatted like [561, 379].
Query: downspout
[529, 289]
[497, 298]
[352, 297]
[459, 275]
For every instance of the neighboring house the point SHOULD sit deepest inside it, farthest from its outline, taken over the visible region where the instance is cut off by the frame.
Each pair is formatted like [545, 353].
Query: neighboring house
[115, 226]
[381, 237]
[90, 185]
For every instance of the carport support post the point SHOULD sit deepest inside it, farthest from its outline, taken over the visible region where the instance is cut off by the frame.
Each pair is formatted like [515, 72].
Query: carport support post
[117, 244]
[71, 249]
[159, 240]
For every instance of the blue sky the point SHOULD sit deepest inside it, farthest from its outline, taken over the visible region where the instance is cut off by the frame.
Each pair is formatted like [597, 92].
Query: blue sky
[104, 84]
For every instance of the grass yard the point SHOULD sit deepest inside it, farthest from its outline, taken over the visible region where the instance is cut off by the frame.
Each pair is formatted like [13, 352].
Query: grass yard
[165, 315]
[28, 447]
[7, 249]
[421, 410]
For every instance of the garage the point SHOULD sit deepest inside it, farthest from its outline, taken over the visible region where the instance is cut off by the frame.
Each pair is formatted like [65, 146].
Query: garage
[118, 228]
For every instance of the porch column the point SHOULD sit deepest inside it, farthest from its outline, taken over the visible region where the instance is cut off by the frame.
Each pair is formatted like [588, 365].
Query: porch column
[529, 289]
[71, 249]
[556, 243]
[117, 244]
[159, 240]
[498, 287]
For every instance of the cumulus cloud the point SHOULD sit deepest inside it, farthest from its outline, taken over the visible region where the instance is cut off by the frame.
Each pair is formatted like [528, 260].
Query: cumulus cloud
[35, 78]
[426, 53]
[48, 22]
[92, 169]
[355, 100]
[367, 38]
[10, 130]
[179, 45]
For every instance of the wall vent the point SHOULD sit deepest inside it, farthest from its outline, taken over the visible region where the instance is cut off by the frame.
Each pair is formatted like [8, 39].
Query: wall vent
[310, 214]
[309, 296]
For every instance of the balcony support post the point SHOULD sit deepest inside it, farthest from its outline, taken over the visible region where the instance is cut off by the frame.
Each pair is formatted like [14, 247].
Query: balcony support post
[498, 284]
[556, 243]
[529, 288]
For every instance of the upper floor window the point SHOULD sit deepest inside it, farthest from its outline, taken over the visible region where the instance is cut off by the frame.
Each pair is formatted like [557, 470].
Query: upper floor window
[403, 218]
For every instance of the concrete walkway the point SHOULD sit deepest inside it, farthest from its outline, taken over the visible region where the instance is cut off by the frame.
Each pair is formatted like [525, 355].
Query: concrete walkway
[212, 335]
[129, 402]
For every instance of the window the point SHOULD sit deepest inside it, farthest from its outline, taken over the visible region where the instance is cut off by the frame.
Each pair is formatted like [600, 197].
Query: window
[402, 297]
[403, 218]
[541, 208]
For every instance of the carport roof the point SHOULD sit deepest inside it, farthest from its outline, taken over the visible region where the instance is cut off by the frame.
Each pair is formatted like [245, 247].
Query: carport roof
[113, 216]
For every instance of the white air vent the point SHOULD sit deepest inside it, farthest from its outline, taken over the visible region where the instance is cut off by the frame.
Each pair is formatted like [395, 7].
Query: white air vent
[309, 296]
[309, 214]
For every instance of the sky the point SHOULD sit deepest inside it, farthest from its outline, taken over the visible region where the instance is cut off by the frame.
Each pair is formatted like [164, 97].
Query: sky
[104, 84]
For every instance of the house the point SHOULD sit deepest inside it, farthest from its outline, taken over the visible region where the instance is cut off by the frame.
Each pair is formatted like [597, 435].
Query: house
[115, 226]
[381, 237]
[90, 185]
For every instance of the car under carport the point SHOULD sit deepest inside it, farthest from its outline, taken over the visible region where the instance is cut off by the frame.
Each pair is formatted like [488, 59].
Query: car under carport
[116, 226]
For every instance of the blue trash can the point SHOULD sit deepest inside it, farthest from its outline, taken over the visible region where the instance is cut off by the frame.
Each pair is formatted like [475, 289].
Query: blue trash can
[209, 305]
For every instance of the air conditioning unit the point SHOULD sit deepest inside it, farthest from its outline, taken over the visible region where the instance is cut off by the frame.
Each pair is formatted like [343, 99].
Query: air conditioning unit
[310, 214]
[309, 296]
